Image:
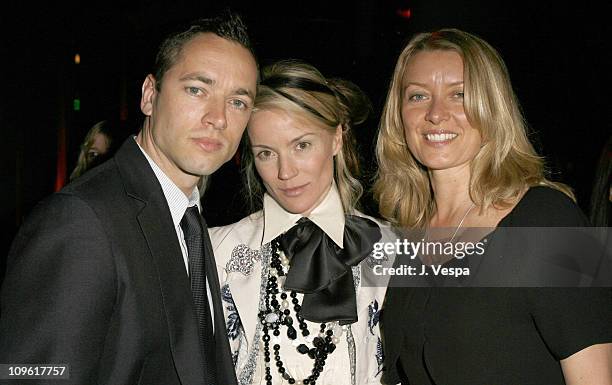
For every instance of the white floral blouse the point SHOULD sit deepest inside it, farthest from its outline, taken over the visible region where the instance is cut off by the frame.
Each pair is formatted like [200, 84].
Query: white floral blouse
[243, 251]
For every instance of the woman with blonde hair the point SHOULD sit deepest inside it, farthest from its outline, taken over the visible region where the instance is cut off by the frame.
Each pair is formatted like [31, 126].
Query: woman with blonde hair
[453, 153]
[293, 273]
[96, 145]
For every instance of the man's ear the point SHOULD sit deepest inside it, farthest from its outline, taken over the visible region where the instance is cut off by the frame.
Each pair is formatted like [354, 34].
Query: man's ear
[337, 143]
[149, 92]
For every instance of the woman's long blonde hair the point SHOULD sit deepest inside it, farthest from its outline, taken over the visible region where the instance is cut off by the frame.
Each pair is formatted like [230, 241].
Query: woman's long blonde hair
[507, 163]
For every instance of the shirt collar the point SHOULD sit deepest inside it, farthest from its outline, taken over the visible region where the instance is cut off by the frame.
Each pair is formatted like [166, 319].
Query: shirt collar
[328, 215]
[177, 201]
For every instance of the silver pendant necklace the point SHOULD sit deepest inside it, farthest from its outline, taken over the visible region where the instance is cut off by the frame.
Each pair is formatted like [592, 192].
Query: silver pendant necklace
[426, 237]
[461, 222]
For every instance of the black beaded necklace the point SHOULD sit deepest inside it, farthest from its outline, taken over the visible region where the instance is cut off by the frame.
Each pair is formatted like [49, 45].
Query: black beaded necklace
[277, 314]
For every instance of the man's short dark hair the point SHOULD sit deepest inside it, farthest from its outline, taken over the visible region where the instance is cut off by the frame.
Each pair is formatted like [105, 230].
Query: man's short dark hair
[227, 25]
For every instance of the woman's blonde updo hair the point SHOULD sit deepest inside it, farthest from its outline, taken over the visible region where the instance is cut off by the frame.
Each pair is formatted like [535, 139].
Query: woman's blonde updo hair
[299, 88]
[507, 163]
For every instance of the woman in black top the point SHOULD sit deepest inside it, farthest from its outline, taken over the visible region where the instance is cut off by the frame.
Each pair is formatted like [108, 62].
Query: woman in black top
[453, 152]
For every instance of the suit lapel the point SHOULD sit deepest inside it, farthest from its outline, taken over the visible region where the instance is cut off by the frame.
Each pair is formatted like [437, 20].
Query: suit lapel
[157, 227]
[176, 294]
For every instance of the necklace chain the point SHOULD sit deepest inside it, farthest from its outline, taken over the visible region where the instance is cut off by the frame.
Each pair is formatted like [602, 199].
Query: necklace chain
[426, 238]
[461, 222]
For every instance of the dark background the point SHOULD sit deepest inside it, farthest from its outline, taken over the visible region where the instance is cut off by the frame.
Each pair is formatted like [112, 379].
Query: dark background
[557, 55]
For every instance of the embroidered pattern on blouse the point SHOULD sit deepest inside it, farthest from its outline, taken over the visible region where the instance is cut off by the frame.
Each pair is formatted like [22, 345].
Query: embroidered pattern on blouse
[356, 276]
[233, 322]
[372, 261]
[248, 370]
[380, 357]
[235, 331]
[373, 315]
[352, 352]
[243, 260]
[350, 340]
[373, 319]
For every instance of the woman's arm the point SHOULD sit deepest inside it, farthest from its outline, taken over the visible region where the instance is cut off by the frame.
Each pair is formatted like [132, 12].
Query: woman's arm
[592, 365]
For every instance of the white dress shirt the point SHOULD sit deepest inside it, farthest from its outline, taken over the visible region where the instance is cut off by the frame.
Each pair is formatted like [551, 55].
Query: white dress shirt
[178, 203]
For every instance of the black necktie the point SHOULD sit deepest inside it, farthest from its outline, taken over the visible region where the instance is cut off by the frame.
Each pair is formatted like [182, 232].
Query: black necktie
[194, 229]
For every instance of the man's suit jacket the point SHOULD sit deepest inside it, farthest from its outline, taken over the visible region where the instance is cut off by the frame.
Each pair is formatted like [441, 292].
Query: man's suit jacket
[96, 279]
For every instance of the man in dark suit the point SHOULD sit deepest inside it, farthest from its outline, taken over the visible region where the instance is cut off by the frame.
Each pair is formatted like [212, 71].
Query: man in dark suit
[100, 276]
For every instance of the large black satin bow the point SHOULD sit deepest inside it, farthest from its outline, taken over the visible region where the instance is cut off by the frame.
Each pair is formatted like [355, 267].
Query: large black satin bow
[322, 271]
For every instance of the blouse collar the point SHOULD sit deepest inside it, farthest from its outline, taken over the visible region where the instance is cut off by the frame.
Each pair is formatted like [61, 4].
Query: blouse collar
[328, 215]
